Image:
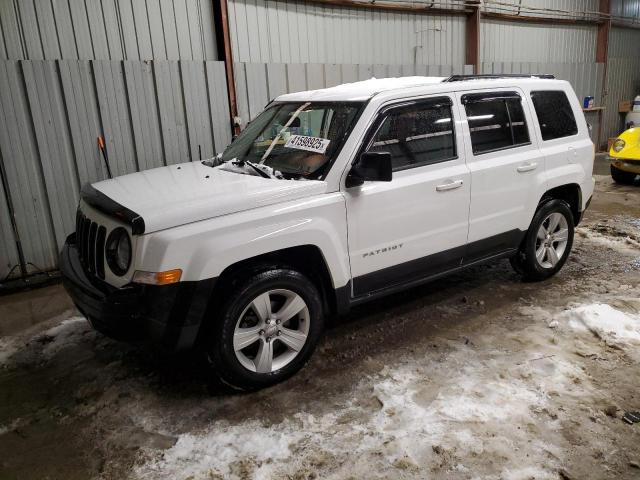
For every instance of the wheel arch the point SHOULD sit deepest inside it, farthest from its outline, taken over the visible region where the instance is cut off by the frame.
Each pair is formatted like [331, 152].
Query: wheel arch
[306, 259]
[570, 193]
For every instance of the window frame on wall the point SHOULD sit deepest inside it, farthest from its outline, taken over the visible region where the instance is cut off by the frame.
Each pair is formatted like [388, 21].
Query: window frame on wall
[417, 104]
[497, 97]
[576, 131]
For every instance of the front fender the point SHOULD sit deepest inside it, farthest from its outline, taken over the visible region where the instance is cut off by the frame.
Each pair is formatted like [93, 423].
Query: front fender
[205, 249]
[631, 150]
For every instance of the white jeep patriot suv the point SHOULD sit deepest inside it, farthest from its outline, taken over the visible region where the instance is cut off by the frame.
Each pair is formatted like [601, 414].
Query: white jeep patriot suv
[330, 198]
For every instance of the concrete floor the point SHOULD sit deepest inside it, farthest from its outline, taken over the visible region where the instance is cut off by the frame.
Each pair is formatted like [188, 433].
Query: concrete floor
[24, 310]
[474, 376]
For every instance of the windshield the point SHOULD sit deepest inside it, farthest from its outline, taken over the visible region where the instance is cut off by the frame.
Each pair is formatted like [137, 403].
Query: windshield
[296, 139]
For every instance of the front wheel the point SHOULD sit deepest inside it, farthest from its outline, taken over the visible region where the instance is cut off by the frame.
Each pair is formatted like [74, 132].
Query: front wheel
[267, 329]
[622, 177]
[547, 243]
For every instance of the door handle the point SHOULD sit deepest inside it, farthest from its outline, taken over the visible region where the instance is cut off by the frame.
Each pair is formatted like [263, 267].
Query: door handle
[449, 186]
[527, 167]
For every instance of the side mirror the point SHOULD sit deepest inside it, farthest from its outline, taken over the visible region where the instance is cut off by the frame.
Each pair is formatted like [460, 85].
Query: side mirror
[370, 166]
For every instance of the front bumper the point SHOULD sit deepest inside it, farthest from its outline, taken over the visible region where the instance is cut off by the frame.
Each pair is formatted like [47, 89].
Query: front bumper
[169, 316]
[626, 164]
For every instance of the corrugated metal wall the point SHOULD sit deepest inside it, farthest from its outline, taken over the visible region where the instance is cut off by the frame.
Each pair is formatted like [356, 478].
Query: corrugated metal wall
[623, 76]
[107, 30]
[143, 73]
[151, 113]
[626, 8]
[259, 83]
[278, 31]
[527, 42]
[534, 8]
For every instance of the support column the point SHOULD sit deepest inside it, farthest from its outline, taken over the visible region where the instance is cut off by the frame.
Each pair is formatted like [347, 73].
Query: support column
[222, 31]
[602, 47]
[602, 56]
[472, 31]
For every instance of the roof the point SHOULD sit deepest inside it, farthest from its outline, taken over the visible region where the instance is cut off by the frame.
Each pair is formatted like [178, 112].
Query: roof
[362, 90]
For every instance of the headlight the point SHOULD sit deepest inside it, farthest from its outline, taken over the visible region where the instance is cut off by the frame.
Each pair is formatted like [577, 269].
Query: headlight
[618, 145]
[118, 251]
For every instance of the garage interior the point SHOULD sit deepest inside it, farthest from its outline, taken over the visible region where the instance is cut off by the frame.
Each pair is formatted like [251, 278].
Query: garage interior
[474, 376]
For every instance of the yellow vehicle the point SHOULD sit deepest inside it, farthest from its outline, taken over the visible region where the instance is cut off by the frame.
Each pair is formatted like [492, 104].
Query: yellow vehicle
[625, 156]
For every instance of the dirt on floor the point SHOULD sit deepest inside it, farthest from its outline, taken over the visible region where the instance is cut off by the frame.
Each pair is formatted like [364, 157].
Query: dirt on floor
[476, 376]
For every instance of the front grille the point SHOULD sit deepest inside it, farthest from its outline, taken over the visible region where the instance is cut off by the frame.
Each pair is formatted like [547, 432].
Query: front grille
[90, 238]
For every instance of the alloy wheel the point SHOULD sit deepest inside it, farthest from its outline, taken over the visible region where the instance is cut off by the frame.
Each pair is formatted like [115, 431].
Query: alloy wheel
[271, 331]
[552, 239]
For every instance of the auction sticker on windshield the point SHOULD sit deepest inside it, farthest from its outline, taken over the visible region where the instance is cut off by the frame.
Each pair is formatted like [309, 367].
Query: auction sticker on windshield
[311, 144]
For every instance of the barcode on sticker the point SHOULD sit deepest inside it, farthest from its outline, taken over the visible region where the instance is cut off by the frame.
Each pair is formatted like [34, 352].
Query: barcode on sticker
[311, 144]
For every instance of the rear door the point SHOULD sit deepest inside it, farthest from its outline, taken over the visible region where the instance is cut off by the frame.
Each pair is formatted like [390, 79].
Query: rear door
[506, 167]
[415, 225]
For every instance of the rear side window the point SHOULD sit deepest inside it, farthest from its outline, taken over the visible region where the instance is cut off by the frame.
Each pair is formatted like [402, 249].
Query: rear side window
[554, 114]
[416, 135]
[496, 121]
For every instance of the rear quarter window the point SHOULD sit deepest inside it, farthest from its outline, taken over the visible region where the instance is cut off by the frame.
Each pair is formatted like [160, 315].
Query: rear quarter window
[555, 114]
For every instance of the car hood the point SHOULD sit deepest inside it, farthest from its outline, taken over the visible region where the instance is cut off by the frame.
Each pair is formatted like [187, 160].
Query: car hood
[170, 196]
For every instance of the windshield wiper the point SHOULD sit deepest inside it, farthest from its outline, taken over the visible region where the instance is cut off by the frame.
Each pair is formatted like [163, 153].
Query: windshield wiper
[242, 166]
[262, 170]
[259, 170]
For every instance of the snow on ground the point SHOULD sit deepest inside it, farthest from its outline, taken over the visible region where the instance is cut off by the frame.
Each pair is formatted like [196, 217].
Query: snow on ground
[414, 425]
[439, 411]
[611, 238]
[10, 427]
[474, 412]
[66, 333]
[614, 327]
[8, 346]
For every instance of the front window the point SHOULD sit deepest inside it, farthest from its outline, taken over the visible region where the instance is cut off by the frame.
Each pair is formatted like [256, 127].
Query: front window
[417, 135]
[296, 139]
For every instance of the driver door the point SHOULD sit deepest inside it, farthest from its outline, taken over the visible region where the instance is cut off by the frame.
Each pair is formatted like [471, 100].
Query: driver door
[416, 225]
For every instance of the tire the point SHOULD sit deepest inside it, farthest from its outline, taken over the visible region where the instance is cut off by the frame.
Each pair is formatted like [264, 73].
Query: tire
[240, 357]
[553, 250]
[622, 177]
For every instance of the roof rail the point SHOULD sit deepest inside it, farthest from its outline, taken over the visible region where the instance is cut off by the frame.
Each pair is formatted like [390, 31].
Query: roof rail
[461, 78]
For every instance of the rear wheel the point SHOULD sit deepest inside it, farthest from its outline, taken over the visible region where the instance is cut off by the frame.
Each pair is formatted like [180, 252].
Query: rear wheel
[620, 176]
[547, 243]
[267, 329]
